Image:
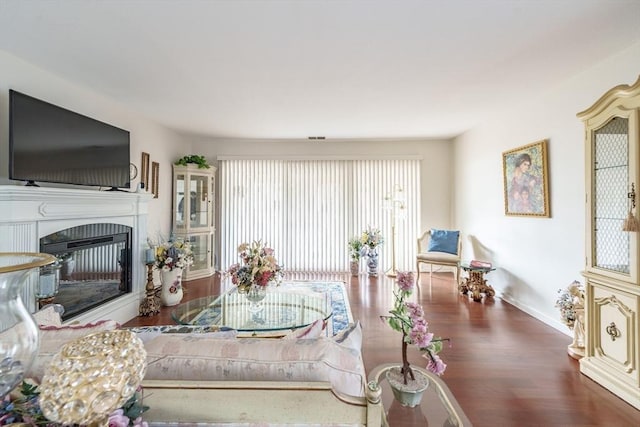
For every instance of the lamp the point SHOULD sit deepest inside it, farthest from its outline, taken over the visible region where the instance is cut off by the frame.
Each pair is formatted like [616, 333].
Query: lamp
[92, 376]
[395, 203]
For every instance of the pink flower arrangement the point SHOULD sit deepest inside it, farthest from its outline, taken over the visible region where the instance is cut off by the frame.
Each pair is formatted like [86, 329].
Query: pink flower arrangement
[258, 266]
[408, 317]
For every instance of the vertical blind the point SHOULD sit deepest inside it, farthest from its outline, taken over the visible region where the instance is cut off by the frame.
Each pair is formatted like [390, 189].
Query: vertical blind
[307, 210]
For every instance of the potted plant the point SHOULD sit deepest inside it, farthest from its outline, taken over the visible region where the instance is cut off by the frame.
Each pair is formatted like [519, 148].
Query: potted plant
[371, 239]
[355, 252]
[193, 159]
[258, 268]
[408, 318]
[571, 304]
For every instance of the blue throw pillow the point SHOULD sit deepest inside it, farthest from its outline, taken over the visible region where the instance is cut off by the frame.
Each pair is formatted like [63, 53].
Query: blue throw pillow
[444, 241]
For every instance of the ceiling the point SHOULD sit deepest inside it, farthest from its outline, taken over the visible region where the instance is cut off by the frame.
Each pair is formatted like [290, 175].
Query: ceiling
[338, 69]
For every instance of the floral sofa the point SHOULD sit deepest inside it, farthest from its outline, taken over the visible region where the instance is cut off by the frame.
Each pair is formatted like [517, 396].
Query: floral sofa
[199, 353]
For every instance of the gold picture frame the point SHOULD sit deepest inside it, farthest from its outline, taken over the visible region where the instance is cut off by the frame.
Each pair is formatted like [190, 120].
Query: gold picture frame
[526, 181]
[155, 174]
[144, 165]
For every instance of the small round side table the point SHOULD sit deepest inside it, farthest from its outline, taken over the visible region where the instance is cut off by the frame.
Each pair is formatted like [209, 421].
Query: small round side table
[475, 284]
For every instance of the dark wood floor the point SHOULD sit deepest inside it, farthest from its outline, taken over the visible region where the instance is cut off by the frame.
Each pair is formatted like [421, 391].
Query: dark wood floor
[505, 368]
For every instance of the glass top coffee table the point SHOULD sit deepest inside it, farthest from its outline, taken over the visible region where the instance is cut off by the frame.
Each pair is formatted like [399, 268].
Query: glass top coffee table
[438, 407]
[281, 311]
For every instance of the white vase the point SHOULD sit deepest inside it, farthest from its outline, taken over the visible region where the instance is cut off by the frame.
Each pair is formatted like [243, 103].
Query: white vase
[354, 266]
[407, 394]
[171, 287]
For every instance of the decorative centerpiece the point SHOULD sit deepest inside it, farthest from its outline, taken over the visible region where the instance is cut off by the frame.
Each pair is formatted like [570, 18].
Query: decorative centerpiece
[171, 259]
[258, 268]
[355, 252]
[371, 239]
[408, 318]
[571, 304]
[91, 377]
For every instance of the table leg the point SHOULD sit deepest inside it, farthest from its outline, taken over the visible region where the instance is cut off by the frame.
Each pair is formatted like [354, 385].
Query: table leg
[477, 284]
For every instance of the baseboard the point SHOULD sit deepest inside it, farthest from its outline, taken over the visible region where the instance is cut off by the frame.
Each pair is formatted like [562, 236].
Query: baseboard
[554, 323]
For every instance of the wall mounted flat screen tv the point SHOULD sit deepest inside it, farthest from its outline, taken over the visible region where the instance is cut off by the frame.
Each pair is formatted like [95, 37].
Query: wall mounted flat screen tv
[48, 143]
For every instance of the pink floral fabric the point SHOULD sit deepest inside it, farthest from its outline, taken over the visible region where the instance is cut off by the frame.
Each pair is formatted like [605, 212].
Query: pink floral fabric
[176, 357]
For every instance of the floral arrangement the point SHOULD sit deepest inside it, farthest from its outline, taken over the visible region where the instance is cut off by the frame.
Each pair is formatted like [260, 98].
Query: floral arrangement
[175, 254]
[26, 410]
[258, 266]
[372, 238]
[570, 299]
[408, 318]
[355, 248]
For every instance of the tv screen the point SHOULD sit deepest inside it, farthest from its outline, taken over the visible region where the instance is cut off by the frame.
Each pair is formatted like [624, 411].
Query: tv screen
[48, 143]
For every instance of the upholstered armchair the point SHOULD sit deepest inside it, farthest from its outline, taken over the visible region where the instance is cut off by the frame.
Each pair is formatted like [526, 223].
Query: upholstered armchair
[439, 247]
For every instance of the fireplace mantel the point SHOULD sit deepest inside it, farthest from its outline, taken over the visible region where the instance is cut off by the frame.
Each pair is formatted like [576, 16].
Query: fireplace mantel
[29, 213]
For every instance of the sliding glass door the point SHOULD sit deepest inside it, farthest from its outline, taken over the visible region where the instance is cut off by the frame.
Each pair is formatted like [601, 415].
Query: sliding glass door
[308, 209]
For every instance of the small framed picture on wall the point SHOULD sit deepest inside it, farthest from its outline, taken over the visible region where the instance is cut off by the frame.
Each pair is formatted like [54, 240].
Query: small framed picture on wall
[155, 174]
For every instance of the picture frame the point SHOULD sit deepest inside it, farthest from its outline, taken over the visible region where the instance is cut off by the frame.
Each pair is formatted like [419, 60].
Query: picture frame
[144, 173]
[155, 175]
[526, 181]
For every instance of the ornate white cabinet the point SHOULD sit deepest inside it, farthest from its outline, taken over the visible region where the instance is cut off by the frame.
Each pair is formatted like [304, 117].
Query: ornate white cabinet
[612, 345]
[193, 215]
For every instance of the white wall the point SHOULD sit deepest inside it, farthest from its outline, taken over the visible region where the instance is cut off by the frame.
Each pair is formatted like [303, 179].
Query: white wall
[535, 256]
[436, 185]
[164, 145]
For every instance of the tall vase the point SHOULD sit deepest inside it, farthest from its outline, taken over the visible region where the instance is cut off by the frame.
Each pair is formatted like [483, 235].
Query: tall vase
[171, 287]
[372, 262]
[18, 329]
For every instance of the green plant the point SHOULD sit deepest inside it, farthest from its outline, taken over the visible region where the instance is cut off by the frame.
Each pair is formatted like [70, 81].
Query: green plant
[355, 248]
[195, 159]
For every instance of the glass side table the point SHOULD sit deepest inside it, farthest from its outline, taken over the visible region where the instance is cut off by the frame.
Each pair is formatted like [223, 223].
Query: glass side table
[437, 408]
[475, 284]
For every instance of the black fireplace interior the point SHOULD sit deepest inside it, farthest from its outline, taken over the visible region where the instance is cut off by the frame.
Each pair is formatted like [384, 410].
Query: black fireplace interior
[95, 265]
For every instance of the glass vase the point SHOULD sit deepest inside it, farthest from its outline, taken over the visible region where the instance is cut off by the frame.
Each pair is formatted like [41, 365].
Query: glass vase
[18, 329]
[256, 295]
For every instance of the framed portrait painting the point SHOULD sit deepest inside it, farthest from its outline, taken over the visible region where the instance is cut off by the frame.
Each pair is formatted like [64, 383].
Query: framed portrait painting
[526, 180]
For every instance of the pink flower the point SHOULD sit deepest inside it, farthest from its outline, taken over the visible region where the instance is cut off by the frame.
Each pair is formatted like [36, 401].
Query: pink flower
[263, 279]
[118, 419]
[435, 364]
[420, 337]
[415, 310]
[405, 281]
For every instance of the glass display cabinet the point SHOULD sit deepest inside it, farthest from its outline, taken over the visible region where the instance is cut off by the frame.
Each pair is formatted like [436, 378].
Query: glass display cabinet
[193, 215]
[612, 323]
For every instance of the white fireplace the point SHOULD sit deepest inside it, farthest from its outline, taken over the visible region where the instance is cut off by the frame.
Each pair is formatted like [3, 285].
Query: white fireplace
[29, 213]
